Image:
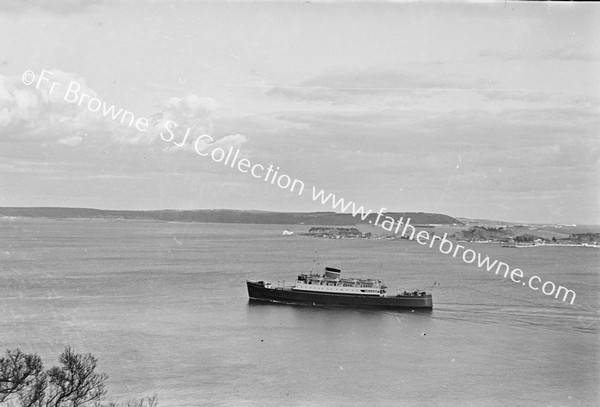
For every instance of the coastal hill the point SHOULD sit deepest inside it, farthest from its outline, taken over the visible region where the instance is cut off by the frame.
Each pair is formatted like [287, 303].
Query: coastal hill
[227, 216]
[524, 234]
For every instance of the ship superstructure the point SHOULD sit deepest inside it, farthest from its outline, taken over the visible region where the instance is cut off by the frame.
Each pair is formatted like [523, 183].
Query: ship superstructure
[331, 282]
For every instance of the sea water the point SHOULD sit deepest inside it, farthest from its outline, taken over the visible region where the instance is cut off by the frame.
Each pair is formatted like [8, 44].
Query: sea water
[164, 308]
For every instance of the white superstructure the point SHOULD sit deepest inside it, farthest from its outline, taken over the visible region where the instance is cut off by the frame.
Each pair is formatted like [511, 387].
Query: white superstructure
[331, 282]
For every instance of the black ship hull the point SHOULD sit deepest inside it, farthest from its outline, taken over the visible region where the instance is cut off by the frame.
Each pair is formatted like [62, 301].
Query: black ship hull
[257, 291]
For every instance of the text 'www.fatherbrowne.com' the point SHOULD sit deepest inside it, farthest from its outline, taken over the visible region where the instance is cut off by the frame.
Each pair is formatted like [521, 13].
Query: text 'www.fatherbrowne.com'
[446, 246]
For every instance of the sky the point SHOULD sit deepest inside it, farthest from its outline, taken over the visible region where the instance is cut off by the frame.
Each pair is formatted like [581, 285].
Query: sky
[478, 110]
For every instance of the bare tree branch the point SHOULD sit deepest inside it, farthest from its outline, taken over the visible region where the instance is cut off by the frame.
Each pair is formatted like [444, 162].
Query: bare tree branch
[76, 382]
[20, 375]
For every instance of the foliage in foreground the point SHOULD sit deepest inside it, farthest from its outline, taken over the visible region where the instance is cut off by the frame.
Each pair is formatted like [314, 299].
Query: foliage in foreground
[75, 383]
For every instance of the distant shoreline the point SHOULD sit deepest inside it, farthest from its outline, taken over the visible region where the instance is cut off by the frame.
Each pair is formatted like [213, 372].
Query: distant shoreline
[334, 231]
[551, 245]
[224, 216]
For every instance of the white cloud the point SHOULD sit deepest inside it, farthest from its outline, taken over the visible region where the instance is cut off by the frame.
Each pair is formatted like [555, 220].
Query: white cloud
[184, 119]
[58, 7]
[234, 140]
[191, 111]
[43, 114]
[563, 52]
[71, 141]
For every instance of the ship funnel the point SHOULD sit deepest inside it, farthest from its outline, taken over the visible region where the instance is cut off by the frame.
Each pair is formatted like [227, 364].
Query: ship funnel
[331, 272]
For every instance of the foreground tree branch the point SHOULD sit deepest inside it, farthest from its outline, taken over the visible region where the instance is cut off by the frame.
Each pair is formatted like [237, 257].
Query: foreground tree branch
[21, 375]
[75, 383]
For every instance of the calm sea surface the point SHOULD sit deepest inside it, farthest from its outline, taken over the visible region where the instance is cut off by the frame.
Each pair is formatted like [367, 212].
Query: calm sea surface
[164, 307]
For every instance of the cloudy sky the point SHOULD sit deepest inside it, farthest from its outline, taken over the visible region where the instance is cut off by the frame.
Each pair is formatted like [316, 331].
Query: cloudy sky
[475, 110]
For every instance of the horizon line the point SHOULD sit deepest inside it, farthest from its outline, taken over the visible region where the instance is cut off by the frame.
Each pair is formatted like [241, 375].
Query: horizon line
[294, 212]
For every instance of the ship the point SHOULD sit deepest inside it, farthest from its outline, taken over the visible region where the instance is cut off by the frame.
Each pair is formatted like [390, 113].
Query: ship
[331, 290]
